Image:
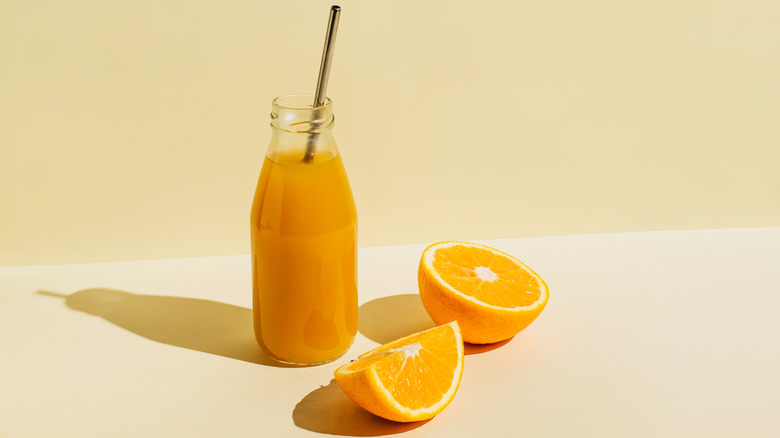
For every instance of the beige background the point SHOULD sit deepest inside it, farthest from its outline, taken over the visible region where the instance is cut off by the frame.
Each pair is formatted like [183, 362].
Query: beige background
[136, 129]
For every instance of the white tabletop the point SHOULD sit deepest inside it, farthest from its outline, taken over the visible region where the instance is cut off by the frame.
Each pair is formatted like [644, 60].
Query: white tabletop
[655, 334]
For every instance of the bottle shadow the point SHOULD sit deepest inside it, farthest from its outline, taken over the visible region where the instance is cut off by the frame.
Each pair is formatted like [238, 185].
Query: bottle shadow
[392, 317]
[328, 410]
[196, 324]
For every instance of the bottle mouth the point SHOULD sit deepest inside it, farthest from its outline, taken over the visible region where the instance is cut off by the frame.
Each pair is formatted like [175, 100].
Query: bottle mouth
[296, 113]
[299, 102]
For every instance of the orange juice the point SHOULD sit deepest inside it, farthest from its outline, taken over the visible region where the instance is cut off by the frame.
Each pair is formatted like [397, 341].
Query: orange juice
[304, 254]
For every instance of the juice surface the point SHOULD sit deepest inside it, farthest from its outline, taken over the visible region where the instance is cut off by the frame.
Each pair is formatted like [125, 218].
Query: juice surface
[304, 256]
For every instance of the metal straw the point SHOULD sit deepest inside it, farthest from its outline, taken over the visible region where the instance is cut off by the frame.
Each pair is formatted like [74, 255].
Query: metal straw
[322, 79]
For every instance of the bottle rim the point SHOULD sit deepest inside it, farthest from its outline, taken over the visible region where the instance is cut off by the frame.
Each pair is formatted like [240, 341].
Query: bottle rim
[299, 102]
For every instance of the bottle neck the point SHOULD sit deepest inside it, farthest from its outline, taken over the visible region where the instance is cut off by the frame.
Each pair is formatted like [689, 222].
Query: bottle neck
[299, 129]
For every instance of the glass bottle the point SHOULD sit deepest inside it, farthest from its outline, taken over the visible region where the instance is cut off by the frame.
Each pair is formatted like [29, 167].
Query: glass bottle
[304, 239]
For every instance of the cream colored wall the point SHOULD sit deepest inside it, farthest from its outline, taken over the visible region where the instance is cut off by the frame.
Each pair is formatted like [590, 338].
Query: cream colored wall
[136, 129]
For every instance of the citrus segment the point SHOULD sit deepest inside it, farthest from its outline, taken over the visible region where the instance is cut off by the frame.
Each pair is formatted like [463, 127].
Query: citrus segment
[410, 379]
[490, 293]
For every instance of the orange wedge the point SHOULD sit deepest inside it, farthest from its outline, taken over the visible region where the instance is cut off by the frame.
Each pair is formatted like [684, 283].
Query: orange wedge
[490, 293]
[410, 379]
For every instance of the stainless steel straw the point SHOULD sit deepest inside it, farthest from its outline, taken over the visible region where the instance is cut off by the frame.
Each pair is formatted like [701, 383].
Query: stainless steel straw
[322, 79]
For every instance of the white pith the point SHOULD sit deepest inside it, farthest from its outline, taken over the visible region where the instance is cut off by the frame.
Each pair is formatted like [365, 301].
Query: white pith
[428, 258]
[485, 274]
[410, 350]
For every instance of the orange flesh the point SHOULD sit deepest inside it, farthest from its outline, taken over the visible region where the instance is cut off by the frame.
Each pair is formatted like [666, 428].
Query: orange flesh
[514, 287]
[417, 372]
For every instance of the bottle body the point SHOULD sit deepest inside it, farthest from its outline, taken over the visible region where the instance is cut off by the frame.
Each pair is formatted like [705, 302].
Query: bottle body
[304, 249]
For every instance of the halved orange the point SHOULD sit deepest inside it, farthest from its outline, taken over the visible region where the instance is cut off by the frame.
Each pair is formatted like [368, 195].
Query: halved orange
[410, 379]
[490, 293]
